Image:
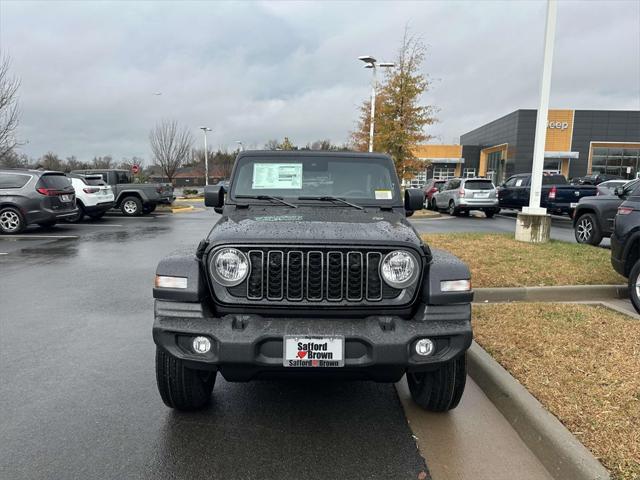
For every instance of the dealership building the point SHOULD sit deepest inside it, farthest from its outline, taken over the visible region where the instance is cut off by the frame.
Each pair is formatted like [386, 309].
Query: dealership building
[578, 142]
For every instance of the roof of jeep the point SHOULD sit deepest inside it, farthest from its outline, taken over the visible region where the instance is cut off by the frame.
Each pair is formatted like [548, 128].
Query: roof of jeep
[311, 153]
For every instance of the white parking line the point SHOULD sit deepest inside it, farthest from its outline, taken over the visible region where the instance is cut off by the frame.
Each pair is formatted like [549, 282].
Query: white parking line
[2, 253]
[95, 225]
[39, 236]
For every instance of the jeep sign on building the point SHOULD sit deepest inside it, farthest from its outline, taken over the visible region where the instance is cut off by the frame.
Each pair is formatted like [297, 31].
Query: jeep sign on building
[579, 142]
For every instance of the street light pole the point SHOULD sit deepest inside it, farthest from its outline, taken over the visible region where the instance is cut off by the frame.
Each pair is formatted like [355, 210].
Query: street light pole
[543, 112]
[371, 63]
[206, 159]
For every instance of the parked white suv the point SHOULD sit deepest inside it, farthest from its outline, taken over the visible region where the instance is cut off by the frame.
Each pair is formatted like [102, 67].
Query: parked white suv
[93, 196]
[460, 195]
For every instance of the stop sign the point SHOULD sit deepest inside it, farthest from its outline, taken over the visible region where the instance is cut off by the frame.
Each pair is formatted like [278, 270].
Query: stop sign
[135, 168]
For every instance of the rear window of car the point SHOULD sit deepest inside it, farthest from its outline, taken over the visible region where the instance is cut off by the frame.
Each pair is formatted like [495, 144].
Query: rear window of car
[13, 180]
[478, 185]
[54, 181]
[553, 180]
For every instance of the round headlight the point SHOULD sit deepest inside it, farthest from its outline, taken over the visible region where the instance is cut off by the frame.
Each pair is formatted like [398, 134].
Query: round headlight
[399, 269]
[229, 267]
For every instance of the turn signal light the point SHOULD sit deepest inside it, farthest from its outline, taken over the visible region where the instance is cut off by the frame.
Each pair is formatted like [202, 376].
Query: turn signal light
[170, 282]
[49, 192]
[624, 210]
[455, 285]
[552, 193]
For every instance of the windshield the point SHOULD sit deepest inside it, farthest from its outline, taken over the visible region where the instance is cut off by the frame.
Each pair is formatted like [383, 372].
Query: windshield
[368, 180]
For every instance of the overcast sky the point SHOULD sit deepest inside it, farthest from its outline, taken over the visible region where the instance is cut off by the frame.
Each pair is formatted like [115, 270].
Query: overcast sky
[256, 71]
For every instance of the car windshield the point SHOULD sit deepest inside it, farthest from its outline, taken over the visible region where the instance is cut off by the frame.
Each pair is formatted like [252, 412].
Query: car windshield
[366, 180]
[478, 185]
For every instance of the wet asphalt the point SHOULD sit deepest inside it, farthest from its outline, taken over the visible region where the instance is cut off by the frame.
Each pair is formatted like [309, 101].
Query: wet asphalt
[78, 398]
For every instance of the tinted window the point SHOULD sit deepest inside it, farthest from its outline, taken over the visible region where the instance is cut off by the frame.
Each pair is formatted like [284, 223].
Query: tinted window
[511, 182]
[454, 184]
[54, 181]
[123, 177]
[13, 180]
[553, 180]
[478, 185]
[94, 181]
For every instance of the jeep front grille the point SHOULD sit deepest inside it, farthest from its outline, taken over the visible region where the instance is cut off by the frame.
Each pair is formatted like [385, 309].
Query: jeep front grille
[316, 275]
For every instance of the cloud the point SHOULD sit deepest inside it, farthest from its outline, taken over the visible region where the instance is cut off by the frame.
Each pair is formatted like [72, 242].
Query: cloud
[255, 71]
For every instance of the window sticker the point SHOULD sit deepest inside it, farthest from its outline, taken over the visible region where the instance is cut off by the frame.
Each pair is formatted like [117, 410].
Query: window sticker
[277, 176]
[384, 195]
[519, 182]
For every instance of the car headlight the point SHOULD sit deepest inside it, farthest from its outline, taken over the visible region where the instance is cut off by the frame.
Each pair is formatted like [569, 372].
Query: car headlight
[229, 267]
[399, 269]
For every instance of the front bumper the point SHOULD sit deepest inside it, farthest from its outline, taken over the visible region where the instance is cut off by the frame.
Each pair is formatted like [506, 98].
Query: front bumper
[249, 346]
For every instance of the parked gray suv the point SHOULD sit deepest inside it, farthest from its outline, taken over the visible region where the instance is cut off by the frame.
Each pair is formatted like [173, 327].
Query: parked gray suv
[34, 196]
[461, 195]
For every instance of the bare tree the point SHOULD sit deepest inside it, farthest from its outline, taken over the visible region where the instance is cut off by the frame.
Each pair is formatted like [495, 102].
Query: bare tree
[171, 146]
[50, 161]
[102, 162]
[8, 107]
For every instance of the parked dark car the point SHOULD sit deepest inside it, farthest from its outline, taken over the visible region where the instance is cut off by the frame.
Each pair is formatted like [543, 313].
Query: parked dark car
[312, 271]
[133, 198]
[593, 216]
[594, 179]
[557, 197]
[431, 187]
[34, 196]
[625, 243]
[608, 187]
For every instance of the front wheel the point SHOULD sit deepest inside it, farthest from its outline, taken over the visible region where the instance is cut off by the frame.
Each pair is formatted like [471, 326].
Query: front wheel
[439, 390]
[131, 206]
[489, 213]
[181, 387]
[587, 230]
[634, 286]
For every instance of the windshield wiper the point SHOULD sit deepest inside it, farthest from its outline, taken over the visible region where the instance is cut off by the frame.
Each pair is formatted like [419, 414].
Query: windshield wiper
[268, 197]
[329, 198]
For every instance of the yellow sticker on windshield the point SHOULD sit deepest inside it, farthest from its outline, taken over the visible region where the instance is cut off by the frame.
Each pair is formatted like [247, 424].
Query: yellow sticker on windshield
[383, 195]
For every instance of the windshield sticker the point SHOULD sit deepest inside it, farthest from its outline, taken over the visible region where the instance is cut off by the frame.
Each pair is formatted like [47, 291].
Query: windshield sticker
[383, 195]
[277, 176]
[519, 182]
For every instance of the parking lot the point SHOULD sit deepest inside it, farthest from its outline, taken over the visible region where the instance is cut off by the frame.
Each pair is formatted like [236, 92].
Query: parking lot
[83, 403]
[79, 396]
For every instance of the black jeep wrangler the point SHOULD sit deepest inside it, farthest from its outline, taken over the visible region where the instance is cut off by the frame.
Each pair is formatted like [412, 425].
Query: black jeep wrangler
[312, 270]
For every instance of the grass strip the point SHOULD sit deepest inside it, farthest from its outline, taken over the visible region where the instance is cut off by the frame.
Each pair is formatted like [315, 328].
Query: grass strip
[582, 362]
[498, 260]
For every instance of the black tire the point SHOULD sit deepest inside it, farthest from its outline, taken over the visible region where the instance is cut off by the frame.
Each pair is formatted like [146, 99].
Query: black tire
[148, 208]
[96, 216]
[586, 229]
[433, 205]
[131, 206]
[79, 216]
[439, 390]
[634, 285]
[180, 387]
[12, 221]
[452, 210]
[489, 213]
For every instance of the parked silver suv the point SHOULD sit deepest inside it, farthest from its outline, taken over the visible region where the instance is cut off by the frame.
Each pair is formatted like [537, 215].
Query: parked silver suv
[34, 196]
[461, 195]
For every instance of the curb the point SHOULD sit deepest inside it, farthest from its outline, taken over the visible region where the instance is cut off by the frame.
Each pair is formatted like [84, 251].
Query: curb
[187, 208]
[565, 293]
[557, 449]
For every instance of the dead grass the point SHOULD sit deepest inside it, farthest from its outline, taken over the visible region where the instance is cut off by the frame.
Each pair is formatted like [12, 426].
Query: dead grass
[498, 260]
[582, 363]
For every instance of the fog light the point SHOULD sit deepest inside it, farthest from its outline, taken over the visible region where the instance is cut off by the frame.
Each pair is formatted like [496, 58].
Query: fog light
[201, 345]
[425, 347]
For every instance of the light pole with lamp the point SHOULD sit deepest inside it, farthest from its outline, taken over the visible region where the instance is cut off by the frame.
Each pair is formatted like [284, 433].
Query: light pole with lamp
[206, 159]
[370, 62]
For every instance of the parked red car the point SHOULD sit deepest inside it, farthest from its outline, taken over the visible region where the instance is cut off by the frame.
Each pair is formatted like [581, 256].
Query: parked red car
[431, 187]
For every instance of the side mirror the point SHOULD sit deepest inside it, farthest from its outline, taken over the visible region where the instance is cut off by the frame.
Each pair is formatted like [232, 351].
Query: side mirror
[413, 199]
[619, 191]
[214, 196]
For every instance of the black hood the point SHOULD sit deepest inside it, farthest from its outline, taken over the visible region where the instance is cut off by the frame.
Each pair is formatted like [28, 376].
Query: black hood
[313, 225]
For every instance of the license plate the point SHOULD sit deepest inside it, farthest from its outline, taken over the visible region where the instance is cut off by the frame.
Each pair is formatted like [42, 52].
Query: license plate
[481, 195]
[573, 205]
[313, 352]
[65, 198]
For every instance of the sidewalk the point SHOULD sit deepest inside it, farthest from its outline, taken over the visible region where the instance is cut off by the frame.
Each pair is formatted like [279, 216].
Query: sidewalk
[472, 442]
